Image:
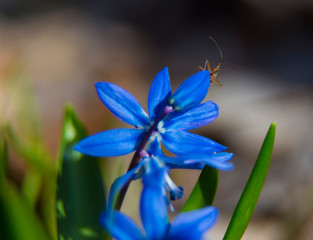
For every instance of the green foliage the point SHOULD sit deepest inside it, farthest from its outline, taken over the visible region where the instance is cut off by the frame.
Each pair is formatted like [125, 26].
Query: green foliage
[80, 192]
[39, 183]
[203, 193]
[3, 162]
[17, 219]
[250, 195]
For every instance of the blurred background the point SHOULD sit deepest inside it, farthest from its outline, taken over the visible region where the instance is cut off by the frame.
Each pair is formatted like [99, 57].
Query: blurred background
[52, 52]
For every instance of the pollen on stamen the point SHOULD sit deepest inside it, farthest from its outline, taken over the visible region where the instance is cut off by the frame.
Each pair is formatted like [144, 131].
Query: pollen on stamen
[160, 127]
[155, 135]
[168, 109]
[172, 105]
[143, 153]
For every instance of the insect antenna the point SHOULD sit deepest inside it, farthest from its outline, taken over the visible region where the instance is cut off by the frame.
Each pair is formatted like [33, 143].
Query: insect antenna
[219, 49]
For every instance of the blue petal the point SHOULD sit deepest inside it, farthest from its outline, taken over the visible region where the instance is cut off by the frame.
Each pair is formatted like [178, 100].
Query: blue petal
[122, 104]
[195, 160]
[193, 225]
[189, 166]
[181, 142]
[195, 117]
[191, 92]
[179, 163]
[115, 142]
[159, 93]
[122, 227]
[218, 160]
[153, 209]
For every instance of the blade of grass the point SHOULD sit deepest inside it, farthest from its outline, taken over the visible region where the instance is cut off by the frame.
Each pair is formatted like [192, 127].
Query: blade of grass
[80, 195]
[3, 162]
[18, 221]
[250, 195]
[203, 193]
[40, 177]
[31, 186]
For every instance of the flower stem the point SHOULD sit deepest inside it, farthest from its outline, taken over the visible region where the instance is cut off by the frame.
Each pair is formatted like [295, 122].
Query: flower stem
[137, 157]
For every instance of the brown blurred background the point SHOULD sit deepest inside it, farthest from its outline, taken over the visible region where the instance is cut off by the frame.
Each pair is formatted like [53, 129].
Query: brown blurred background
[56, 51]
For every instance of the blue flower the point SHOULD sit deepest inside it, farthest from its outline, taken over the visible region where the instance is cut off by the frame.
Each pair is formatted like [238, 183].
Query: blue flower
[171, 114]
[153, 210]
[154, 160]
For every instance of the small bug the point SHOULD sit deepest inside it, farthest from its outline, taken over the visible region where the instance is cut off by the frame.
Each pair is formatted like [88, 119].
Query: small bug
[214, 71]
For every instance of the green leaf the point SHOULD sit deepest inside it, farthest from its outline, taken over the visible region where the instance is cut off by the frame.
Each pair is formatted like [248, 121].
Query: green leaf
[3, 162]
[203, 193]
[252, 190]
[31, 186]
[40, 176]
[80, 195]
[18, 221]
